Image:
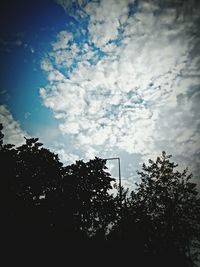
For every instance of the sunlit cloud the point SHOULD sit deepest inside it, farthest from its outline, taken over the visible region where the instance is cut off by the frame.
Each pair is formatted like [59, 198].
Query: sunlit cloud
[13, 133]
[132, 85]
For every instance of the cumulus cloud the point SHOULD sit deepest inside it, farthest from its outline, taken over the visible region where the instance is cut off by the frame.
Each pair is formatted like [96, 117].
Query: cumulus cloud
[106, 18]
[133, 85]
[65, 157]
[63, 39]
[13, 133]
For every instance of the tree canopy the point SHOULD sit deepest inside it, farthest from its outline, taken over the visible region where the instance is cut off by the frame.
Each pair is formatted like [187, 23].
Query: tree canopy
[45, 199]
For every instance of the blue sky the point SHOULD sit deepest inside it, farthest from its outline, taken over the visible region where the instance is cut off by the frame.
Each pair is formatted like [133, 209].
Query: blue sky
[103, 78]
[24, 42]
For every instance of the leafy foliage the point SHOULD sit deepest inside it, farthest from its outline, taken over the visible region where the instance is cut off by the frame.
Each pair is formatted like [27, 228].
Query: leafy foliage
[88, 185]
[44, 199]
[162, 214]
[169, 200]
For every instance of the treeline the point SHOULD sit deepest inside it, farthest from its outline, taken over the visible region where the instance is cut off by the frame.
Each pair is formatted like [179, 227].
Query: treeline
[45, 200]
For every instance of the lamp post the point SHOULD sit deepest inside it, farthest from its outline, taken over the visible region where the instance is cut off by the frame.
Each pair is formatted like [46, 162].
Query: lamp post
[119, 171]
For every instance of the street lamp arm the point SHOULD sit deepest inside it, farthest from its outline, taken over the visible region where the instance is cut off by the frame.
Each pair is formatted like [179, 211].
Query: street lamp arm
[112, 158]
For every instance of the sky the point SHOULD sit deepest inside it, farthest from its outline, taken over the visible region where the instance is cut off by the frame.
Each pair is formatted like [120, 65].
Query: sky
[105, 78]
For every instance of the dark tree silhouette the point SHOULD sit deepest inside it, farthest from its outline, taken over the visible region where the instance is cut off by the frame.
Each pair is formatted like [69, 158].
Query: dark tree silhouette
[47, 199]
[43, 201]
[31, 173]
[162, 214]
[87, 190]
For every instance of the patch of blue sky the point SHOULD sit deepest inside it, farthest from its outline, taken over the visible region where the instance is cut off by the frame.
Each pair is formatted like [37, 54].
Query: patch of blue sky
[134, 94]
[22, 89]
[79, 30]
[113, 110]
[81, 37]
[133, 8]
[47, 15]
[21, 77]
[135, 99]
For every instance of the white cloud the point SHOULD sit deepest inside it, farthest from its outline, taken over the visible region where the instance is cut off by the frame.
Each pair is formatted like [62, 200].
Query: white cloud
[137, 98]
[63, 39]
[105, 21]
[46, 65]
[13, 133]
[66, 158]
